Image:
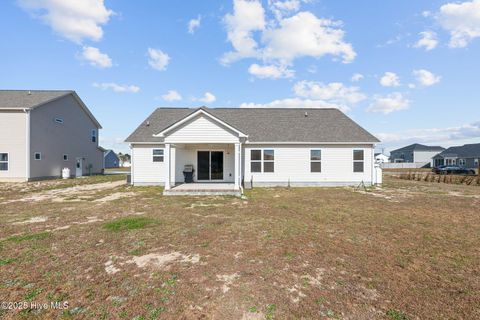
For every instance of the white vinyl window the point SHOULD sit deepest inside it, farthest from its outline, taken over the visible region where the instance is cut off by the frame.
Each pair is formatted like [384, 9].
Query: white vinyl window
[462, 162]
[358, 160]
[94, 135]
[315, 160]
[4, 161]
[157, 155]
[262, 160]
[476, 162]
[37, 156]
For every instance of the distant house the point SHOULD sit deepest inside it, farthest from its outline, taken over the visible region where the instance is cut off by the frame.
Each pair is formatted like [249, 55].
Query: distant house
[466, 156]
[415, 153]
[111, 159]
[43, 132]
[381, 158]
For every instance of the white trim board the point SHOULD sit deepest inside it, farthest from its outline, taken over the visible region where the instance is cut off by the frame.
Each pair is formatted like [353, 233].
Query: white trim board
[193, 115]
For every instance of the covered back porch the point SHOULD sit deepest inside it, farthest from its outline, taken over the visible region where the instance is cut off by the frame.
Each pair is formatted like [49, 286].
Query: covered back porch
[216, 168]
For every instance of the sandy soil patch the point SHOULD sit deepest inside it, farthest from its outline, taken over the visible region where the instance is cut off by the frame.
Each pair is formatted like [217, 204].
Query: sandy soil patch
[227, 280]
[110, 267]
[157, 260]
[61, 195]
[31, 220]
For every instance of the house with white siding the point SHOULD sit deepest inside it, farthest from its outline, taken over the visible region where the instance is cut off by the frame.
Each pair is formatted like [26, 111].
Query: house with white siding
[44, 131]
[231, 148]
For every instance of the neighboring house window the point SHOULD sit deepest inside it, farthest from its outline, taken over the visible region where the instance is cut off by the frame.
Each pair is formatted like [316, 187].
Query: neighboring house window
[462, 162]
[157, 155]
[59, 120]
[262, 159]
[3, 161]
[37, 156]
[65, 157]
[94, 135]
[476, 162]
[358, 160]
[315, 160]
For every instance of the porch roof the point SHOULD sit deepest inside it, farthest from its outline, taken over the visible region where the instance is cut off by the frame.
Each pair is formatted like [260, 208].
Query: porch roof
[265, 124]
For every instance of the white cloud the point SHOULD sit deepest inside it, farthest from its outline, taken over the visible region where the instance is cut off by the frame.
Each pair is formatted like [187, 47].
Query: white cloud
[281, 8]
[72, 19]
[283, 40]
[207, 98]
[306, 35]
[194, 24]
[117, 87]
[389, 103]
[357, 77]
[461, 20]
[390, 79]
[293, 103]
[426, 78]
[247, 17]
[172, 95]
[428, 40]
[158, 60]
[332, 93]
[430, 135]
[270, 71]
[96, 58]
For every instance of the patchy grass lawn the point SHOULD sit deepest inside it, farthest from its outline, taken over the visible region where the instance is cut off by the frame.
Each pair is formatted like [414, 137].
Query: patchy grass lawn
[409, 250]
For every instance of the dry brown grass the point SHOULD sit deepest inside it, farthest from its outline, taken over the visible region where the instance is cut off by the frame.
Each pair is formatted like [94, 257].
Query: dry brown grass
[407, 249]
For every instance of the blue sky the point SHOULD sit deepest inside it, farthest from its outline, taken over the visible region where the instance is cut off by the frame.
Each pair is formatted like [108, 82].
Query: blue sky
[408, 71]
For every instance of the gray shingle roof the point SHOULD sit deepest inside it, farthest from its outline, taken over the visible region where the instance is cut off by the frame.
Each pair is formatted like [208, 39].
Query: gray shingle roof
[465, 151]
[28, 99]
[265, 124]
[418, 147]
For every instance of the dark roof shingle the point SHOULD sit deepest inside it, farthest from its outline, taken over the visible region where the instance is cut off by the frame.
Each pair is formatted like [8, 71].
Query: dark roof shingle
[465, 151]
[28, 99]
[418, 147]
[266, 124]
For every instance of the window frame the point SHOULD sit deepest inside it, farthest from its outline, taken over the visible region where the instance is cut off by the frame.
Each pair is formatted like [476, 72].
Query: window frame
[262, 160]
[94, 135]
[316, 161]
[35, 156]
[162, 156]
[268, 161]
[7, 161]
[462, 162]
[358, 161]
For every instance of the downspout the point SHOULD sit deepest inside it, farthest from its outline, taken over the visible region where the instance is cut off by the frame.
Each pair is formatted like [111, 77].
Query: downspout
[240, 169]
[27, 144]
[373, 172]
[131, 165]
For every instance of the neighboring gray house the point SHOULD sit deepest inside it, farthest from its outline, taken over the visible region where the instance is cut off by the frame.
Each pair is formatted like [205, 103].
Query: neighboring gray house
[111, 159]
[415, 153]
[466, 156]
[44, 131]
[263, 146]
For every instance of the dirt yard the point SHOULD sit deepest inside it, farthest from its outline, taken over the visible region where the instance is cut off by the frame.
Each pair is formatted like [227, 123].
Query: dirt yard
[409, 250]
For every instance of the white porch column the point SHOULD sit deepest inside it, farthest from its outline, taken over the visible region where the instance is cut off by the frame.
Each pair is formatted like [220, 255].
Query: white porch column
[237, 166]
[167, 166]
